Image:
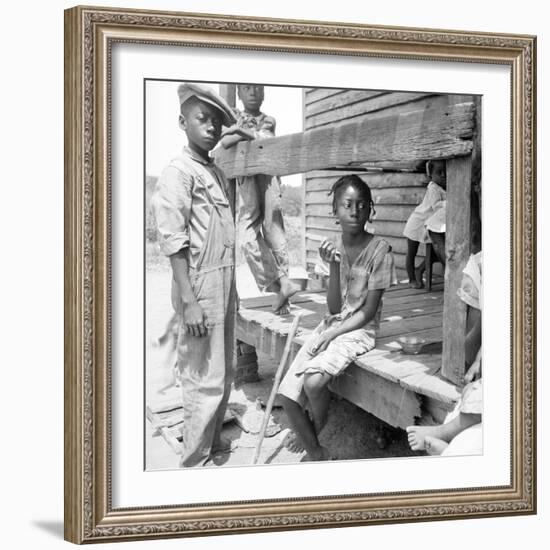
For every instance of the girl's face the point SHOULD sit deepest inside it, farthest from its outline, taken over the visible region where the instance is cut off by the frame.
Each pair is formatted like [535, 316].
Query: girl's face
[438, 173]
[352, 209]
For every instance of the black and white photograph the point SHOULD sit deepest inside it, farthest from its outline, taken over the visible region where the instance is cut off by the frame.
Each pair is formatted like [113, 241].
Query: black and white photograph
[313, 274]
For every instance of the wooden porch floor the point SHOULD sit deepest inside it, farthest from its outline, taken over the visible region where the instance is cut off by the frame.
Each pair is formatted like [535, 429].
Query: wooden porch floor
[398, 388]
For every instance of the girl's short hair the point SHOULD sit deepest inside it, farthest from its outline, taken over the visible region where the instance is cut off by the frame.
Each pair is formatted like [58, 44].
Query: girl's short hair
[358, 183]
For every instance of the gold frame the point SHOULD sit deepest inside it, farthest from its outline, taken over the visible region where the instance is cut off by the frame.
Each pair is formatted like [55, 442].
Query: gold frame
[89, 34]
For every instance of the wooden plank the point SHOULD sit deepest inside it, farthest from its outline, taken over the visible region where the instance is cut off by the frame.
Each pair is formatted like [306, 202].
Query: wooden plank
[266, 300]
[318, 94]
[365, 108]
[388, 195]
[384, 399]
[229, 93]
[457, 247]
[412, 136]
[322, 180]
[406, 326]
[422, 102]
[430, 335]
[342, 99]
[416, 373]
[384, 212]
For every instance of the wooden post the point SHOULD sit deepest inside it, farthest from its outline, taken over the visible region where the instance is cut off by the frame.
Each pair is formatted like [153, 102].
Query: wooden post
[457, 247]
[229, 93]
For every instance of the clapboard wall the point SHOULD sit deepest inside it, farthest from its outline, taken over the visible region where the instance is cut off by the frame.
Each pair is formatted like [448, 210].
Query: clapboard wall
[396, 190]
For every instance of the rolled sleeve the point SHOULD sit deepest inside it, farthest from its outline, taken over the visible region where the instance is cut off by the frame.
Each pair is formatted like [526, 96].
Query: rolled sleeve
[383, 273]
[172, 205]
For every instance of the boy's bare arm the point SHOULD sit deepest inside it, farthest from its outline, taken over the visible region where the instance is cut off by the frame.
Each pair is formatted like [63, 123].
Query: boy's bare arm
[234, 134]
[193, 315]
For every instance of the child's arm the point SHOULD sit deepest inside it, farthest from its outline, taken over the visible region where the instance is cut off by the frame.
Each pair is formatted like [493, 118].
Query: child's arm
[194, 318]
[359, 319]
[329, 254]
[172, 204]
[234, 134]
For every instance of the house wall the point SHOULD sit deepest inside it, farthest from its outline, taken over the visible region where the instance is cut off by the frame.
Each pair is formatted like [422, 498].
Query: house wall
[396, 192]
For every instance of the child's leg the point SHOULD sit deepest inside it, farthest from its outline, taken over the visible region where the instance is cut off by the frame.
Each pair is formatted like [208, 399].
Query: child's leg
[438, 243]
[303, 428]
[258, 254]
[315, 387]
[274, 233]
[412, 248]
[446, 432]
[414, 273]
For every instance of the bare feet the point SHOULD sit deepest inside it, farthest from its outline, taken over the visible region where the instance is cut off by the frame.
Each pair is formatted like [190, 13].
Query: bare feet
[416, 284]
[293, 443]
[434, 446]
[418, 274]
[417, 435]
[286, 291]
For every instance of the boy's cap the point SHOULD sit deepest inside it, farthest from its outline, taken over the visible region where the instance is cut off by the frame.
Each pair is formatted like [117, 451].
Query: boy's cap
[206, 94]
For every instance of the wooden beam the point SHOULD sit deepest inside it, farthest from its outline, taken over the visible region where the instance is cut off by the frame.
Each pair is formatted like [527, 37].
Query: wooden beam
[229, 93]
[441, 132]
[457, 246]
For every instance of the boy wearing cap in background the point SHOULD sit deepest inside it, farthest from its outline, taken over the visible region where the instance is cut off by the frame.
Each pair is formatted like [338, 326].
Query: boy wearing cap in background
[193, 207]
[260, 217]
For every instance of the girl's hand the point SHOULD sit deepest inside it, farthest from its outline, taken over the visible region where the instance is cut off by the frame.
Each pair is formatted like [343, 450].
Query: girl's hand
[194, 320]
[473, 373]
[322, 342]
[329, 252]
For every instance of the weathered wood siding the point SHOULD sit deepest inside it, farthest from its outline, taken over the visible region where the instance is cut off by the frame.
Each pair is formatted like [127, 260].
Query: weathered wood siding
[395, 193]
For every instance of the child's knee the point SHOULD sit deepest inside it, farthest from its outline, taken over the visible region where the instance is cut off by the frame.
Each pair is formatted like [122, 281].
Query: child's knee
[314, 384]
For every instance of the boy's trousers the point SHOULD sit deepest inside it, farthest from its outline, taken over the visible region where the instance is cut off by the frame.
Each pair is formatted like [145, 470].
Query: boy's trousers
[206, 363]
[261, 227]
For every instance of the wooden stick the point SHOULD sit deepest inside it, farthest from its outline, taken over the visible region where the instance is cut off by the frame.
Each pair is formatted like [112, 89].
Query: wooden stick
[276, 383]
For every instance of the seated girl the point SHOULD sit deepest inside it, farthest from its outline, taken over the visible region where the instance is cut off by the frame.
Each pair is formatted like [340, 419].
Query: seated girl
[361, 268]
[467, 414]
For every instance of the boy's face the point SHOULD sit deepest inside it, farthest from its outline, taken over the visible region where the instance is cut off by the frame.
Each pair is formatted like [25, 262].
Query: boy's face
[252, 96]
[203, 125]
[352, 209]
[438, 173]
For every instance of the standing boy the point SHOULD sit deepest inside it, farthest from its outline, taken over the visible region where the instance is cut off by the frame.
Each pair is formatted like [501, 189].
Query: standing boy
[260, 217]
[194, 212]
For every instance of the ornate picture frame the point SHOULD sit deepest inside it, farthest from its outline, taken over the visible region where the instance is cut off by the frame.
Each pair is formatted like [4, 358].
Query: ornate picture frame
[90, 34]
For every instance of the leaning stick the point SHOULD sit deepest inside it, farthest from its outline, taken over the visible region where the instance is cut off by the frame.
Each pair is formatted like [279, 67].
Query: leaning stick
[276, 382]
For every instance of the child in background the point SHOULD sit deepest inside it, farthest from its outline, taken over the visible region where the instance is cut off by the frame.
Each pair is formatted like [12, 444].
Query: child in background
[361, 268]
[260, 217]
[416, 231]
[461, 433]
[193, 206]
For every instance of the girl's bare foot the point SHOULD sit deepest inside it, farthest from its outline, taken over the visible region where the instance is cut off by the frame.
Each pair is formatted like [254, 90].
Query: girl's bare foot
[293, 443]
[417, 435]
[434, 446]
[418, 274]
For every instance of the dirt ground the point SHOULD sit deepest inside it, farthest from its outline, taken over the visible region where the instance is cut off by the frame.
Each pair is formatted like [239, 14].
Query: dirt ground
[350, 433]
